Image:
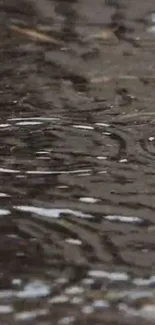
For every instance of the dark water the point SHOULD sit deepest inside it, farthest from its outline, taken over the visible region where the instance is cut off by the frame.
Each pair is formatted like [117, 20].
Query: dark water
[77, 162]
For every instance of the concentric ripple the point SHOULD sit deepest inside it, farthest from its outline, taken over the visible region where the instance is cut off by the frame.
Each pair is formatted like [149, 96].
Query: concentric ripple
[77, 162]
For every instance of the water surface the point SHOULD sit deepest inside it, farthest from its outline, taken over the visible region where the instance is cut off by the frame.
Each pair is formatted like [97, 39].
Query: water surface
[77, 163]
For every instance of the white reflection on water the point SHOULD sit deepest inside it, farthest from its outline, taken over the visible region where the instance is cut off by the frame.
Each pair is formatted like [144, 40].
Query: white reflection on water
[51, 213]
[144, 282]
[4, 212]
[100, 304]
[66, 320]
[5, 309]
[4, 195]
[43, 119]
[114, 276]
[54, 172]
[84, 127]
[34, 289]
[123, 218]
[27, 315]
[6, 125]
[102, 124]
[7, 170]
[88, 199]
[101, 157]
[27, 123]
[74, 290]
[87, 310]
[5, 294]
[59, 299]
[73, 241]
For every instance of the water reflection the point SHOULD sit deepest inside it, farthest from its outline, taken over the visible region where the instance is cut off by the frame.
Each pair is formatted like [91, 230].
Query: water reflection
[52, 213]
[77, 162]
[34, 290]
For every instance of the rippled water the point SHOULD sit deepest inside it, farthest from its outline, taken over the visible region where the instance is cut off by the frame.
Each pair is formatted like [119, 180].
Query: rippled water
[77, 163]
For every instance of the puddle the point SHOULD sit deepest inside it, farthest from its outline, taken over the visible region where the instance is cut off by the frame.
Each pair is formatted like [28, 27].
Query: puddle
[77, 162]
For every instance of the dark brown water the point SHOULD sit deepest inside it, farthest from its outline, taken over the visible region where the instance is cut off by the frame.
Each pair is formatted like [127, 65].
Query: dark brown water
[77, 162]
